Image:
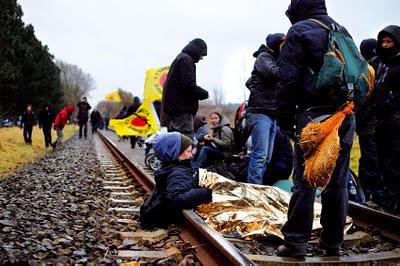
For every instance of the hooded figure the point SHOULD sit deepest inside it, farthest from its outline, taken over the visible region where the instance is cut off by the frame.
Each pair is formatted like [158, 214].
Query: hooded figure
[181, 95]
[46, 118]
[60, 122]
[386, 99]
[262, 106]
[368, 48]
[176, 183]
[299, 103]
[368, 171]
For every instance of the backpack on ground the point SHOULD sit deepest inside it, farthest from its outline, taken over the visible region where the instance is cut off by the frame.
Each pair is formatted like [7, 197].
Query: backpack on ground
[345, 75]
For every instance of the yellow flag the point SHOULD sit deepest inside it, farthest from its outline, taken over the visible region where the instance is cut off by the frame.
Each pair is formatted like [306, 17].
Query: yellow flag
[142, 123]
[113, 97]
[154, 83]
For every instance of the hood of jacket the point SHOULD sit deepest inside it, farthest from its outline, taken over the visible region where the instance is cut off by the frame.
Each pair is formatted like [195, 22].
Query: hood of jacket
[195, 49]
[304, 9]
[368, 48]
[262, 49]
[167, 146]
[394, 32]
[70, 109]
[274, 41]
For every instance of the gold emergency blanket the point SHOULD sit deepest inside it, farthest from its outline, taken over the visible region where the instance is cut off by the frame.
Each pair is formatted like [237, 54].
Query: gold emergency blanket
[246, 210]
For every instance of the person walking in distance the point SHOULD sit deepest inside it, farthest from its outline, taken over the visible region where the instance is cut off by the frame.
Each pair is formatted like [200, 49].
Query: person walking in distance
[46, 118]
[27, 123]
[60, 122]
[83, 116]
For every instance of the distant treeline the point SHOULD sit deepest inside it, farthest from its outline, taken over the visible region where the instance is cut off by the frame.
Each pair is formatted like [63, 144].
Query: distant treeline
[29, 74]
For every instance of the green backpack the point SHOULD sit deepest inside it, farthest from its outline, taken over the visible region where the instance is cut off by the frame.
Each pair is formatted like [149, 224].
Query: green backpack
[345, 75]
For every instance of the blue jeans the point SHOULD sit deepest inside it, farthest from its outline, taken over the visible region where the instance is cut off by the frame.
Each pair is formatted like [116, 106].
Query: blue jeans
[207, 156]
[263, 130]
[334, 198]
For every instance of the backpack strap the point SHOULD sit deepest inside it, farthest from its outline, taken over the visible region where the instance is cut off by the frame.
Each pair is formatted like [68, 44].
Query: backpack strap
[333, 26]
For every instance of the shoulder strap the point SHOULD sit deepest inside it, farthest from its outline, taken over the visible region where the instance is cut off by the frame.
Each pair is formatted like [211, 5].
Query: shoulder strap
[333, 26]
[323, 25]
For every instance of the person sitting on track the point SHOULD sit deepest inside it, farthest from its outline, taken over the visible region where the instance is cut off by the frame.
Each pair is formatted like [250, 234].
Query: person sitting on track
[176, 182]
[218, 145]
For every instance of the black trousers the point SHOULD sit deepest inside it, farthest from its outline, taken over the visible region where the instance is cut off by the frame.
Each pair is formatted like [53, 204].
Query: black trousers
[388, 144]
[297, 229]
[47, 135]
[368, 171]
[28, 134]
[83, 127]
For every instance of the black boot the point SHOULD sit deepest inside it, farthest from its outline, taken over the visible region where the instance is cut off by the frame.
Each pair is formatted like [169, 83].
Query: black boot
[286, 251]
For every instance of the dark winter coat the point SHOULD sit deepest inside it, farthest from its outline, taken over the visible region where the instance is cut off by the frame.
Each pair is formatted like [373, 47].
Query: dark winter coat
[365, 118]
[63, 116]
[95, 117]
[133, 107]
[386, 94]
[181, 93]
[262, 83]
[46, 118]
[83, 112]
[176, 189]
[306, 44]
[28, 119]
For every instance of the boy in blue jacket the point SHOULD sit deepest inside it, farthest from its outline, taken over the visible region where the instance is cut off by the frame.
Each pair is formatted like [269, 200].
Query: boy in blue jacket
[176, 183]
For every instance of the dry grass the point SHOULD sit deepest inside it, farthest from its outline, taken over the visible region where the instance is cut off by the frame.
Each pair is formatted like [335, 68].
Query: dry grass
[14, 153]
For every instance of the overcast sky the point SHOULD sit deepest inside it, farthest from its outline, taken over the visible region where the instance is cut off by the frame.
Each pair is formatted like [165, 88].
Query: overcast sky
[117, 41]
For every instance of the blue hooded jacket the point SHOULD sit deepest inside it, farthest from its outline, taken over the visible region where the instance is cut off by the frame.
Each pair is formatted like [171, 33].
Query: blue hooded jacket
[177, 185]
[300, 61]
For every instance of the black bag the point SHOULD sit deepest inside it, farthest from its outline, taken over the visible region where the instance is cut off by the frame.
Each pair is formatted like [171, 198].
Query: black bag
[153, 212]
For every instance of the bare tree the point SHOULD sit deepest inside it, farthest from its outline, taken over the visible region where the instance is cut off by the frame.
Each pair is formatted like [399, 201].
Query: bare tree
[75, 83]
[218, 94]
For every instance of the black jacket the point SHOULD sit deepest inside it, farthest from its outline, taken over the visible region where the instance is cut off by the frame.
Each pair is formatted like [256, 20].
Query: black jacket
[95, 117]
[133, 107]
[306, 44]
[181, 93]
[28, 119]
[176, 189]
[46, 118]
[83, 113]
[262, 83]
[386, 94]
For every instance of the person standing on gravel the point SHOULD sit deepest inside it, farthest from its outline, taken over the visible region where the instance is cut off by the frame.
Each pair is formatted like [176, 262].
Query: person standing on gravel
[181, 95]
[60, 122]
[299, 102]
[46, 118]
[83, 116]
[27, 123]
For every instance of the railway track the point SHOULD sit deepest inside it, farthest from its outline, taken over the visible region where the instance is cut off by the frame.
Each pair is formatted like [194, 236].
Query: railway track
[213, 249]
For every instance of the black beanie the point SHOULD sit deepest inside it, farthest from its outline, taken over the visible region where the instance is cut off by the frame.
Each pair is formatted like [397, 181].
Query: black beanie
[185, 142]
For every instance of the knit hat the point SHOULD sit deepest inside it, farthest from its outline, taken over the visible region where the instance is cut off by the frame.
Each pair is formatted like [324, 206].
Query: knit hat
[185, 142]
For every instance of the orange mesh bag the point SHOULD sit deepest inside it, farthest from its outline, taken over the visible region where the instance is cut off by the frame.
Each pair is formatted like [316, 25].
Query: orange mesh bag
[320, 144]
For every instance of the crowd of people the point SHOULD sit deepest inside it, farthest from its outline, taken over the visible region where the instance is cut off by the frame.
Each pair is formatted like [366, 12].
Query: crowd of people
[47, 120]
[284, 100]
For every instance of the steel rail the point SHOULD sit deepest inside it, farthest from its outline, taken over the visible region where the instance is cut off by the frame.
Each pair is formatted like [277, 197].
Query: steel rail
[388, 224]
[195, 230]
[212, 248]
